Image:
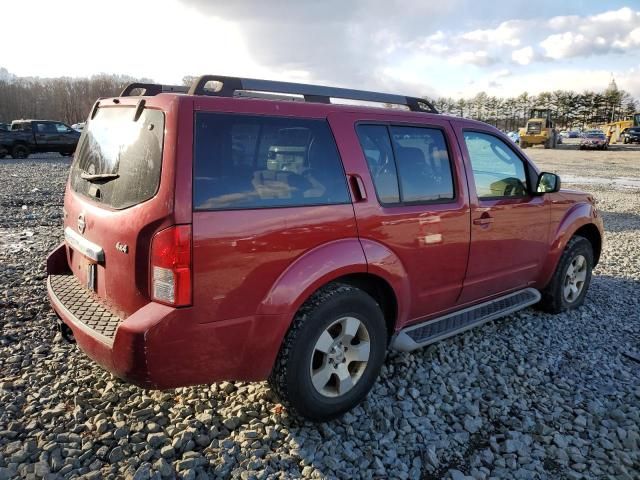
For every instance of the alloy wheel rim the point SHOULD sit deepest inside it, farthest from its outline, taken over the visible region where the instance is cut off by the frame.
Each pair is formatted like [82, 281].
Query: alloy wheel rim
[574, 278]
[340, 357]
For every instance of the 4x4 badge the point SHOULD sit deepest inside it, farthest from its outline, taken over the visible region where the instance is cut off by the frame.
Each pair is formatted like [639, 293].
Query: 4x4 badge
[81, 223]
[122, 247]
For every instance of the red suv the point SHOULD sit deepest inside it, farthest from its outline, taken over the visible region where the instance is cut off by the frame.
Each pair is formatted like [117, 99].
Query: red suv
[255, 231]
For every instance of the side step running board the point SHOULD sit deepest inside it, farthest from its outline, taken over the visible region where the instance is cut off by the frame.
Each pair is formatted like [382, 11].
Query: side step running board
[437, 329]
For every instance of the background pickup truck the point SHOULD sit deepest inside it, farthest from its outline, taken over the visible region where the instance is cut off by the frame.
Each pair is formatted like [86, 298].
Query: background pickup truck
[31, 136]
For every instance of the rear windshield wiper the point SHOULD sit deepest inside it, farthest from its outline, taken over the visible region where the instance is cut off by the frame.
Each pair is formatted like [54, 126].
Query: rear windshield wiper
[97, 177]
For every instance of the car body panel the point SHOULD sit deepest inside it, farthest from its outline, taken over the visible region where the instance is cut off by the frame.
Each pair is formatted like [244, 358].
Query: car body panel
[253, 269]
[431, 241]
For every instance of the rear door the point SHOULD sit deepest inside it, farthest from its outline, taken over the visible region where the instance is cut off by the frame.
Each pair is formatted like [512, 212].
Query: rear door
[46, 136]
[416, 201]
[120, 192]
[509, 226]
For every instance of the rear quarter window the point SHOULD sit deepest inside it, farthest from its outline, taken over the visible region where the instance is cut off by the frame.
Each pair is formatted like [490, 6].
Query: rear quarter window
[246, 162]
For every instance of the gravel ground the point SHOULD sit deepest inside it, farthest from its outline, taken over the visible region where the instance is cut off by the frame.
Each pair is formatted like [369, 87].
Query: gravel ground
[529, 396]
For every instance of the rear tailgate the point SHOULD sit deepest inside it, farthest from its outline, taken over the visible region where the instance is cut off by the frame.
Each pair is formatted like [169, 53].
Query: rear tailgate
[120, 193]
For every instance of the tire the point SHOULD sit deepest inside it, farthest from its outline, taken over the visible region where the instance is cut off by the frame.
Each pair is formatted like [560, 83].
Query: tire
[554, 295]
[325, 315]
[625, 141]
[523, 145]
[66, 154]
[20, 151]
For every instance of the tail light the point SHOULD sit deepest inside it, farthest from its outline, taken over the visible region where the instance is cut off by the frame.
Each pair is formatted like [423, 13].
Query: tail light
[171, 266]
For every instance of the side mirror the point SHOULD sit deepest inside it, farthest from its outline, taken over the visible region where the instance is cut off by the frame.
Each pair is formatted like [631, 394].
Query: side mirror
[547, 183]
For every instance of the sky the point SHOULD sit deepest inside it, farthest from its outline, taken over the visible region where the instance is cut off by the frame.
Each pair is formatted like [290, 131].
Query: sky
[436, 48]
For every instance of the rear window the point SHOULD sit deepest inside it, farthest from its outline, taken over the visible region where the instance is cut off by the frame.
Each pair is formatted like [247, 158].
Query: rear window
[245, 162]
[118, 161]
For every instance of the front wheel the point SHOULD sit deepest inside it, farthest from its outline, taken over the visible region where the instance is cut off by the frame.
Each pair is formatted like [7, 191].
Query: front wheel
[572, 277]
[332, 353]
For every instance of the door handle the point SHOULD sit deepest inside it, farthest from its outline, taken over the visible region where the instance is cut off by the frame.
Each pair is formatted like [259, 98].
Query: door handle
[485, 219]
[358, 188]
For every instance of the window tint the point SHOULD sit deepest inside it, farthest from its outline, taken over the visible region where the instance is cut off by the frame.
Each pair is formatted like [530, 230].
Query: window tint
[246, 161]
[497, 170]
[423, 164]
[46, 128]
[376, 146]
[61, 128]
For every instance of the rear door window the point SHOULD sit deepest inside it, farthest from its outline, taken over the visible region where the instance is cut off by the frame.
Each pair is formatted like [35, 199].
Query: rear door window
[408, 165]
[423, 164]
[118, 160]
[245, 162]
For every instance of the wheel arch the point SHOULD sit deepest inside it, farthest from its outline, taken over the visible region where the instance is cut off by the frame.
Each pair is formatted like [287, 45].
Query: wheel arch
[581, 220]
[591, 233]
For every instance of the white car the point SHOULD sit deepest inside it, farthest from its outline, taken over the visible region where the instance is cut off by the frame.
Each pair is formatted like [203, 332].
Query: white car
[514, 136]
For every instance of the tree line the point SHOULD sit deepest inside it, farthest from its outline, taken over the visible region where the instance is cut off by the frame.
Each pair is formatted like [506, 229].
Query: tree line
[569, 109]
[70, 100]
[64, 99]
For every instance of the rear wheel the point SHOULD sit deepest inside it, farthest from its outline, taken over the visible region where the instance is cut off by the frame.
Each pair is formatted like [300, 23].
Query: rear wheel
[332, 353]
[523, 144]
[572, 277]
[20, 151]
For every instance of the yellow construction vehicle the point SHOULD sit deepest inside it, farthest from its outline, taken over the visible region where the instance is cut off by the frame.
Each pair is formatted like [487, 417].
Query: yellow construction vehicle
[539, 130]
[614, 130]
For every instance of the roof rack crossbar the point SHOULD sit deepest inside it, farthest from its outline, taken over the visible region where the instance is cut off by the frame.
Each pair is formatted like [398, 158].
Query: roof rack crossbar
[311, 93]
[151, 89]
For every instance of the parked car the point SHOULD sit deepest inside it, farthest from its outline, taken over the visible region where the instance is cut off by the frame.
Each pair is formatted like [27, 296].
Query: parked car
[514, 136]
[190, 257]
[594, 139]
[31, 136]
[574, 134]
[631, 135]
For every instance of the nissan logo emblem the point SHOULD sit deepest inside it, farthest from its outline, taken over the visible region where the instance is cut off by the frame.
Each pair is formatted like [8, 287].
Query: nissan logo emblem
[81, 223]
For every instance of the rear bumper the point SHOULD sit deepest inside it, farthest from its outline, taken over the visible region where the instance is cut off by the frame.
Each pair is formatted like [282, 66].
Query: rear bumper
[163, 347]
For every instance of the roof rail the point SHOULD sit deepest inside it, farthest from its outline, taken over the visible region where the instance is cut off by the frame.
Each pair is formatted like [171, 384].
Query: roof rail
[152, 89]
[311, 93]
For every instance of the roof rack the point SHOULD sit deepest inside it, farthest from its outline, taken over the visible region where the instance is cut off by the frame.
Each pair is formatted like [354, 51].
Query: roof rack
[151, 89]
[311, 93]
[234, 86]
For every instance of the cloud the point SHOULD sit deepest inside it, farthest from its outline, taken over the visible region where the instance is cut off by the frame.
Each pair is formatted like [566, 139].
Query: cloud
[522, 56]
[615, 31]
[507, 33]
